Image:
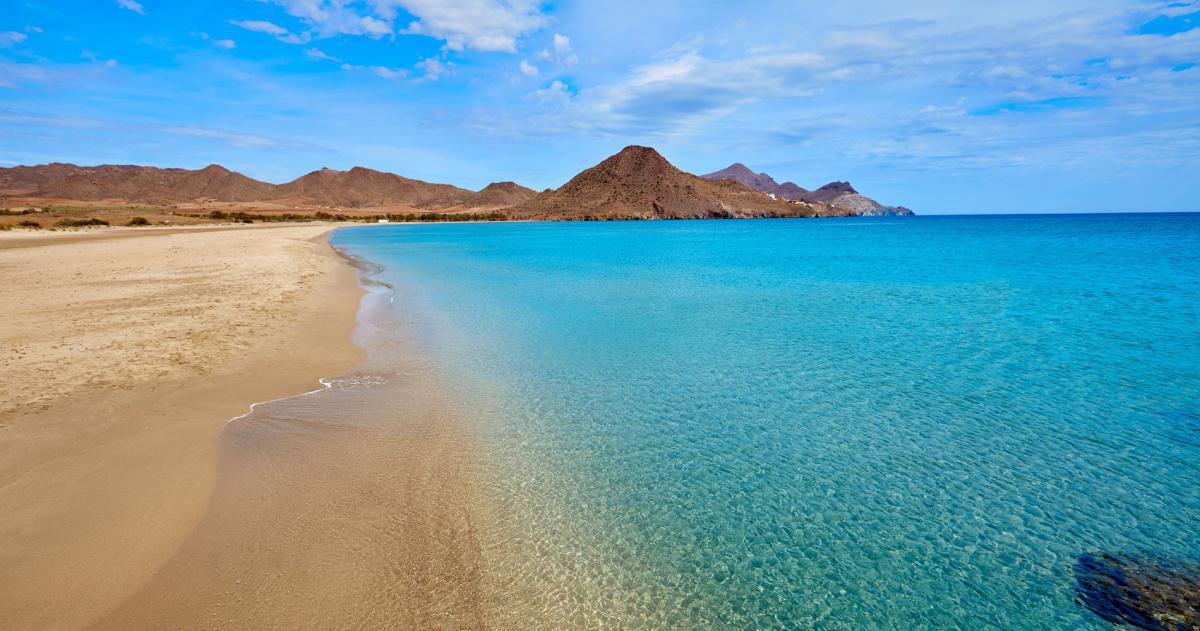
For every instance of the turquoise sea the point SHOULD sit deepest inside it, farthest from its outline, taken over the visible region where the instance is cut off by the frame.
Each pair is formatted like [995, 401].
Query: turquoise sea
[841, 424]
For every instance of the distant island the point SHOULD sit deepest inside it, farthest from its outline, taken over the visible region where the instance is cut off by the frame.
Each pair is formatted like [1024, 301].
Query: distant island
[635, 183]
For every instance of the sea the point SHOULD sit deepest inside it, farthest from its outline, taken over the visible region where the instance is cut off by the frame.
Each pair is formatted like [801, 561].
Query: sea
[853, 423]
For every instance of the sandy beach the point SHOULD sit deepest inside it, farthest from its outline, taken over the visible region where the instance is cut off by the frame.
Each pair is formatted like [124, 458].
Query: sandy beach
[124, 354]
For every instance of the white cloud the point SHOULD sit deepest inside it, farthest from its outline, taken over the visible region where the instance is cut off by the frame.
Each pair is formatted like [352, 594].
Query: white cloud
[528, 69]
[379, 71]
[11, 38]
[33, 29]
[562, 55]
[239, 140]
[556, 90]
[132, 5]
[1057, 89]
[317, 53]
[327, 18]
[260, 26]
[388, 73]
[296, 38]
[432, 68]
[93, 57]
[227, 44]
[486, 25]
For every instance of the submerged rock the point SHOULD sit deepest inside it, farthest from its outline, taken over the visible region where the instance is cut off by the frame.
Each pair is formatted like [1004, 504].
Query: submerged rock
[1143, 592]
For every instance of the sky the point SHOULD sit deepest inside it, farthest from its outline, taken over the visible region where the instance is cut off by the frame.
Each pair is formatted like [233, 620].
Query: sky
[942, 106]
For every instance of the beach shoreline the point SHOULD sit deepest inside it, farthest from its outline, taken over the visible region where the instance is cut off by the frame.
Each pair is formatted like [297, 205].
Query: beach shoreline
[127, 352]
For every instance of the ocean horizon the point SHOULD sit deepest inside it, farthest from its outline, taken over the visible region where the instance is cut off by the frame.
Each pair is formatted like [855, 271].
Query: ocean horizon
[919, 422]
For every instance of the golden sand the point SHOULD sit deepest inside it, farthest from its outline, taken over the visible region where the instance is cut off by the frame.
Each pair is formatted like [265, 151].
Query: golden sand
[122, 355]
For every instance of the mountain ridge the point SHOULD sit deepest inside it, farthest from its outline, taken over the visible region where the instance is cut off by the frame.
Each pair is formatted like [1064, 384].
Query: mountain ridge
[639, 183]
[838, 194]
[635, 183]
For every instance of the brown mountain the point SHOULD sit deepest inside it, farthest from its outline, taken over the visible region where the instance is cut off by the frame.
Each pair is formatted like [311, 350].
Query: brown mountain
[831, 191]
[739, 172]
[360, 187]
[354, 188]
[790, 190]
[837, 194]
[637, 182]
[23, 180]
[145, 184]
[762, 182]
[500, 195]
[843, 195]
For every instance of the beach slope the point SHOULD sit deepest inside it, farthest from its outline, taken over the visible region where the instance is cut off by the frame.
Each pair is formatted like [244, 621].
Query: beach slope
[124, 353]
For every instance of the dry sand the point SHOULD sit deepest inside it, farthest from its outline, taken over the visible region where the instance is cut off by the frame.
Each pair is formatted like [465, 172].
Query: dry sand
[122, 355]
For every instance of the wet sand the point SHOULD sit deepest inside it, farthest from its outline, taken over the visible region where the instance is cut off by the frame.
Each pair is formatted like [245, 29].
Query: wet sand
[124, 354]
[350, 507]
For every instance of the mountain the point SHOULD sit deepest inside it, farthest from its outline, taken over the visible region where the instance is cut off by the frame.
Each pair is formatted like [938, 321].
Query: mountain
[137, 183]
[837, 194]
[762, 182]
[23, 180]
[790, 190]
[635, 183]
[831, 191]
[843, 195]
[499, 195]
[361, 187]
[357, 187]
[639, 183]
[739, 172]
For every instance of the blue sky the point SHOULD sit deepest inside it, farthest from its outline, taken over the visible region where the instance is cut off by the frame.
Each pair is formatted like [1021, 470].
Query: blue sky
[1022, 106]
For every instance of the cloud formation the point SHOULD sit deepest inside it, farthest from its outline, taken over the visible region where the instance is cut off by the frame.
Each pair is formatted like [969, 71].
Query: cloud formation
[483, 25]
[260, 26]
[11, 38]
[132, 5]
[432, 68]
[486, 25]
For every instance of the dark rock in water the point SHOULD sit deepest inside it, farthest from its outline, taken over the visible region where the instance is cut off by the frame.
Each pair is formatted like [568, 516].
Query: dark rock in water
[1143, 592]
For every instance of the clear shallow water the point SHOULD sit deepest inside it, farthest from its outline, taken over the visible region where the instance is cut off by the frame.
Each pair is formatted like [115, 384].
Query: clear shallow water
[915, 423]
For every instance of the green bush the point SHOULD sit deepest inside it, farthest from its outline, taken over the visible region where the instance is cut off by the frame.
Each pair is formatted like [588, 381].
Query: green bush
[76, 223]
[29, 223]
[139, 221]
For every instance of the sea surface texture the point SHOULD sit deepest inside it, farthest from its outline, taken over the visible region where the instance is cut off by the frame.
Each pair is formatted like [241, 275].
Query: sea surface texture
[840, 424]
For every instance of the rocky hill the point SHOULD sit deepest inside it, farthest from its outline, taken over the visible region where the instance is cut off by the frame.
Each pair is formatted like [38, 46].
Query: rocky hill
[26, 180]
[837, 194]
[360, 187]
[843, 195]
[637, 182]
[355, 188]
[762, 182]
[500, 195]
[142, 184]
